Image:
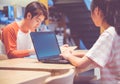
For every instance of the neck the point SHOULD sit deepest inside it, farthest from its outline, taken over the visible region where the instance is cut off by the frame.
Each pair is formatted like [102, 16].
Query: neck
[24, 26]
[104, 26]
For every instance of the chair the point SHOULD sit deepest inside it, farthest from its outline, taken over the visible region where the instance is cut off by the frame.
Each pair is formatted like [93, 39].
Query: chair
[66, 78]
[3, 54]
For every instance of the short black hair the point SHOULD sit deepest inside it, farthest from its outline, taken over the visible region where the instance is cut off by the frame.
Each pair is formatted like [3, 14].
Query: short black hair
[36, 8]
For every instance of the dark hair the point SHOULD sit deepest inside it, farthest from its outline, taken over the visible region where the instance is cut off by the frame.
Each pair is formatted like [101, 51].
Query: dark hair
[110, 10]
[36, 8]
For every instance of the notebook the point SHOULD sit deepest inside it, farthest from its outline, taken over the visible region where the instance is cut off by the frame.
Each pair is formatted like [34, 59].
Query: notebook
[46, 47]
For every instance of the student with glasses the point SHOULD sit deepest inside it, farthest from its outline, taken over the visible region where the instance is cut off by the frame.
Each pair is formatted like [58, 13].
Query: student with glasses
[16, 36]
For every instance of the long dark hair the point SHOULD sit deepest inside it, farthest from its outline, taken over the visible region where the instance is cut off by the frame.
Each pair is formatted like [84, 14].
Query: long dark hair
[110, 10]
[36, 8]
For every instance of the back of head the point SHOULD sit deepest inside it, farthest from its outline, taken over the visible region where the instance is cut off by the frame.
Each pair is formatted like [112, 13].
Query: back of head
[110, 10]
[36, 8]
[113, 14]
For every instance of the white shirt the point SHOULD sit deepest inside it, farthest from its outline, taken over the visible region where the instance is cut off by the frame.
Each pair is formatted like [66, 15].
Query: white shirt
[24, 41]
[106, 53]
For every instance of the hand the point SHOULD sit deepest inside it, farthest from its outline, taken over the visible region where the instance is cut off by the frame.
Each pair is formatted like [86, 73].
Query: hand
[31, 52]
[66, 54]
[64, 47]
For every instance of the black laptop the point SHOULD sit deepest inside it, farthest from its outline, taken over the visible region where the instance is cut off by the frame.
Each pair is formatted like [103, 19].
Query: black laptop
[46, 47]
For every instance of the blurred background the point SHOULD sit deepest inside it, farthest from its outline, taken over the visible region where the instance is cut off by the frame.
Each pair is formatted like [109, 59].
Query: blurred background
[69, 19]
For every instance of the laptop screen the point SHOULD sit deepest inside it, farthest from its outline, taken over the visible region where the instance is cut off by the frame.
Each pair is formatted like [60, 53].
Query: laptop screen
[45, 44]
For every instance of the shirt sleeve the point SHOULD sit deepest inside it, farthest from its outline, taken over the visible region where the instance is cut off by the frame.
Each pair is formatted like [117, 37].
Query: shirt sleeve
[101, 50]
[9, 39]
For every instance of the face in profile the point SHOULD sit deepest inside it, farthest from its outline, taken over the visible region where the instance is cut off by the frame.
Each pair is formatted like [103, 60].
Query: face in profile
[35, 22]
[97, 16]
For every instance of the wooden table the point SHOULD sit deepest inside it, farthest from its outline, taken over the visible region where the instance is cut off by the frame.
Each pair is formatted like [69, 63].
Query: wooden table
[33, 65]
[28, 63]
[23, 77]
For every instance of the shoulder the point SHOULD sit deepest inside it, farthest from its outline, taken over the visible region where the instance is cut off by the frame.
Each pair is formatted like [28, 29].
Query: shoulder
[111, 31]
[11, 27]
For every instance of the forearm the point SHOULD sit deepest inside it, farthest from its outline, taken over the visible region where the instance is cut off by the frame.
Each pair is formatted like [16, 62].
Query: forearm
[79, 62]
[79, 53]
[19, 53]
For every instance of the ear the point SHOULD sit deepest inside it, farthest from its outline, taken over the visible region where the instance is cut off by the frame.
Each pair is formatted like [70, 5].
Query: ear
[29, 16]
[96, 11]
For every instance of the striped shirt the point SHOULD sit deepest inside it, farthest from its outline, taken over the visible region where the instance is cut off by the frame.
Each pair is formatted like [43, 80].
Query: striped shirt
[106, 54]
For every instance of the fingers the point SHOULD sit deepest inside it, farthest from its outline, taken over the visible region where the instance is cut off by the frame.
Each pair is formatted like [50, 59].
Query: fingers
[66, 54]
[66, 45]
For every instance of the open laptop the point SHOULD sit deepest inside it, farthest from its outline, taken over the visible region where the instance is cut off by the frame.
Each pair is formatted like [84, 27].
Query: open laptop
[46, 47]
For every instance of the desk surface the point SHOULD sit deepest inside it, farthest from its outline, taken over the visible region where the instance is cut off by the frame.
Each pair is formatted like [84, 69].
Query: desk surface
[31, 64]
[16, 76]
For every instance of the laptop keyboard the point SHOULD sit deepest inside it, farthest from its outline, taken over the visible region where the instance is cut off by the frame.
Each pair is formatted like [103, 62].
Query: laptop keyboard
[57, 60]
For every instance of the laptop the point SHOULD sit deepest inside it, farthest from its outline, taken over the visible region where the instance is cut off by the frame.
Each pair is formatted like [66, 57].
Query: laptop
[46, 47]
